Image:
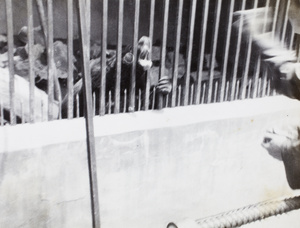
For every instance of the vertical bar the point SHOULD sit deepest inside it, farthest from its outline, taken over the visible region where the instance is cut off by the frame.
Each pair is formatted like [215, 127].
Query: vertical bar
[268, 88]
[31, 60]
[88, 19]
[77, 106]
[275, 18]
[167, 100]
[247, 63]
[264, 81]
[103, 57]
[237, 53]
[163, 47]
[292, 39]
[259, 88]
[153, 99]
[189, 52]
[226, 91]
[216, 91]
[10, 40]
[42, 16]
[109, 102]
[125, 100]
[140, 100]
[176, 53]
[151, 26]
[179, 96]
[285, 22]
[50, 57]
[249, 88]
[70, 59]
[119, 56]
[214, 49]
[237, 89]
[258, 62]
[84, 35]
[201, 51]
[131, 107]
[226, 52]
[203, 93]
[191, 95]
[94, 103]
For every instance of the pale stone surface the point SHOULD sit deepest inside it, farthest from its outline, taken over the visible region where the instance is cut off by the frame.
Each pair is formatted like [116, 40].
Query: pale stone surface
[153, 167]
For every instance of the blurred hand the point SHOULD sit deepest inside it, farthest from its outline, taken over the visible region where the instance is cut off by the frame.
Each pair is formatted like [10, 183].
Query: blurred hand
[164, 85]
[283, 143]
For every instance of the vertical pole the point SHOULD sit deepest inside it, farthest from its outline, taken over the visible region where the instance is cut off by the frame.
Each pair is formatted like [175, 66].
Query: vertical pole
[131, 107]
[10, 40]
[237, 53]
[214, 49]
[103, 57]
[285, 22]
[189, 51]
[247, 64]
[50, 58]
[31, 60]
[258, 62]
[197, 94]
[119, 56]
[89, 113]
[70, 60]
[163, 48]
[151, 26]
[226, 51]
[42, 16]
[176, 53]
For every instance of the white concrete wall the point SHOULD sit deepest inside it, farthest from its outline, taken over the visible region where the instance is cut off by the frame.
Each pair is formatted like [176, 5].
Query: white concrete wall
[153, 167]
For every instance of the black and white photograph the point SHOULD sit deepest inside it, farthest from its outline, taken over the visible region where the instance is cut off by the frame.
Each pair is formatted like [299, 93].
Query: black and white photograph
[149, 113]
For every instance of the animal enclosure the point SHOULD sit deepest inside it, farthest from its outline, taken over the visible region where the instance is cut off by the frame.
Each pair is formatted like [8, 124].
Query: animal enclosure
[199, 46]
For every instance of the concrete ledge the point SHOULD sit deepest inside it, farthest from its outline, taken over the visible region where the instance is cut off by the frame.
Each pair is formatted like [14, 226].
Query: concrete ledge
[63, 131]
[153, 167]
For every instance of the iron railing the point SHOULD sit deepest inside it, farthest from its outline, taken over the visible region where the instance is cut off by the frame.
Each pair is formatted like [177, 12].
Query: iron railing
[219, 61]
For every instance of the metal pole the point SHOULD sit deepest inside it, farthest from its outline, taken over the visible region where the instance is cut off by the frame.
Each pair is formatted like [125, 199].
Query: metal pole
[89, 114]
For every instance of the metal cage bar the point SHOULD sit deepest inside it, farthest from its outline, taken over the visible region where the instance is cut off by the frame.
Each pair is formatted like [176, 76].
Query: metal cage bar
[31, 61]
[226, 51]
[189, 94]
[237, 54]
[214, 49]
[163, 47]
[151, 29]
[248, 56]
[176, 52]
[119, 56]
[189, 52]
[131, 107]
[285, 22]
[203, 30]
[50, 58]
[258, 61]
[10, 41]
[70, 80]
[85, 47]
[103, 57]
